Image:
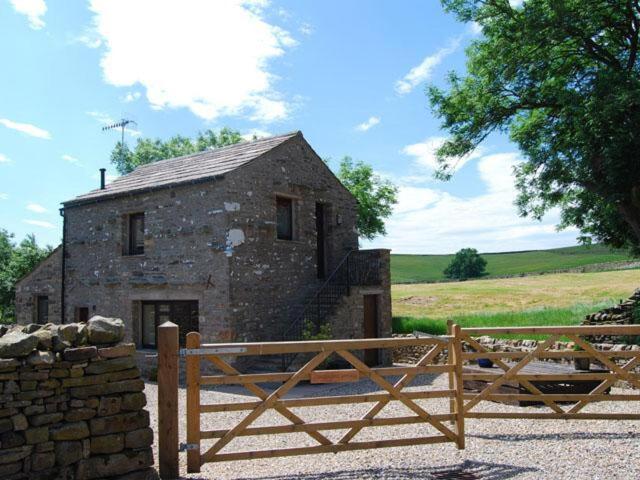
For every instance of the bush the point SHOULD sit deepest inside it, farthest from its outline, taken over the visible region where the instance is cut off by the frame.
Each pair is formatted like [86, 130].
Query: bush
[467, 263]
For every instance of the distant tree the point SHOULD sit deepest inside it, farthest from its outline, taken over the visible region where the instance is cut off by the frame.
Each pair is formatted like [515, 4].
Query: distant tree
[16, 262]
[149, 150]
[467, 263]
[376, 197]
[562, 77]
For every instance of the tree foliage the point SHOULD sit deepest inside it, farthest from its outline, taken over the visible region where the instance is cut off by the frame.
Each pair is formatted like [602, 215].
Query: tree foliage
[562, 78]
[376, 197]
[15, 262]
[467, 263]
[148, 150]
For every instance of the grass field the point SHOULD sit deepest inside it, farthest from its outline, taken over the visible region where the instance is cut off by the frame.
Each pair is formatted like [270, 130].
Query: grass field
[428, 268]
[554, 299]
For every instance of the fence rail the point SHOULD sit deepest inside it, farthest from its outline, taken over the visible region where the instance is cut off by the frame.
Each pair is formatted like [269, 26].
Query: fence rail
[446, 355]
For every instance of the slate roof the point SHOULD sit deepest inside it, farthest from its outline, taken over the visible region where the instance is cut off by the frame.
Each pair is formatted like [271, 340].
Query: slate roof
[187, 169]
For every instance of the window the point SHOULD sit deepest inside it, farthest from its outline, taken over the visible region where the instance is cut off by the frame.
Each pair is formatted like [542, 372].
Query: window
[183, 313]
[82, 314]
[42, 309]
[284, 218]
[136, 234]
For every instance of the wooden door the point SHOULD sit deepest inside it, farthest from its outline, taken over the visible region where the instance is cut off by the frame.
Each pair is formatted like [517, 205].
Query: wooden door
[371, 327]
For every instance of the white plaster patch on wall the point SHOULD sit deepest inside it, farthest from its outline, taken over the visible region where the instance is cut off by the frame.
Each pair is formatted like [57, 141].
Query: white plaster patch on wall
[231, 206]
[214, 212]
[235, 237]
[249, 193]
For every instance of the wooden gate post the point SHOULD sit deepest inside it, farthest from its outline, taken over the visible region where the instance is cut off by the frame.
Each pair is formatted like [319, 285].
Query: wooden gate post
[193, 404]
[451, 374]
[459, 385]
[168, 437]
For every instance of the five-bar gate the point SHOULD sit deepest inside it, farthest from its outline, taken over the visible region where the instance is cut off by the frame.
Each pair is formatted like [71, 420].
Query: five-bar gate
[444, 419]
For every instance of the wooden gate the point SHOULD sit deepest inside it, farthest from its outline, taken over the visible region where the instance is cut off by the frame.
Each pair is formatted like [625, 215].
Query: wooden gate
[533, 387]
[444, 355]
[315, 354]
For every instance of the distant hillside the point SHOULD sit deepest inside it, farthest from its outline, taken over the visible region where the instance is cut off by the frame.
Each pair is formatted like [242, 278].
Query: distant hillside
[428, 268]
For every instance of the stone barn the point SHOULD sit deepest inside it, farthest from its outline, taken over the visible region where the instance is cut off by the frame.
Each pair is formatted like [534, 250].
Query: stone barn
[251, 242]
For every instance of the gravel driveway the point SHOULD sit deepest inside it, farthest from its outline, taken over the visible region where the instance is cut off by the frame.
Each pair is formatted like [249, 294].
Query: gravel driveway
[496, 449]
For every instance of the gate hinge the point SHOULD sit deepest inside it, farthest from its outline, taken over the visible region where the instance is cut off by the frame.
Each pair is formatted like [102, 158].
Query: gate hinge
[188, 446]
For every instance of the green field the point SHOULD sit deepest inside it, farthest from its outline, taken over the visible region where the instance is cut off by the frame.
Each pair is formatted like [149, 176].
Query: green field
[554, 299]
[428, 268]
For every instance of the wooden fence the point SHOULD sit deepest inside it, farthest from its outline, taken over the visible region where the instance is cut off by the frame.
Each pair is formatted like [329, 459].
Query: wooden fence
[453, 349]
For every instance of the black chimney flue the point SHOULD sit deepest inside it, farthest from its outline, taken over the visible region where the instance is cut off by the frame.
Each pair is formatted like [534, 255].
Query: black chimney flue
[102, 170]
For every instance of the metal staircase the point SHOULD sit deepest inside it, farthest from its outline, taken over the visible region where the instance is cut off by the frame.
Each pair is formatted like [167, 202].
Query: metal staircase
[357, 268]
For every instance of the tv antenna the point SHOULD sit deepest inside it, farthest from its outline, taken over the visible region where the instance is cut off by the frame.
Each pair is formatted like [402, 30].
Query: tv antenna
[122, 124]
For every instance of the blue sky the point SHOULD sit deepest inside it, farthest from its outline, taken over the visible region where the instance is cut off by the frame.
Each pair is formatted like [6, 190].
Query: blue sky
[350, 75]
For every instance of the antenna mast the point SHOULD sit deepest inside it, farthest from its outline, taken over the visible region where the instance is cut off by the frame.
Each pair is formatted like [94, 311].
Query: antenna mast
[122, 124]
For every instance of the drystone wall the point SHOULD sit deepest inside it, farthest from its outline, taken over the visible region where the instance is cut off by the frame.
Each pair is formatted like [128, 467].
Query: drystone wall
[72, 404]
[412, 354]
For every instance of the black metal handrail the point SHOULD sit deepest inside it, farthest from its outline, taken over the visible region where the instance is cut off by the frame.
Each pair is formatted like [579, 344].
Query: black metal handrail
[357, 268]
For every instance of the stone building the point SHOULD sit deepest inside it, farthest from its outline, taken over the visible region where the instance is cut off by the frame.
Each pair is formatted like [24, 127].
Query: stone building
[251, 242]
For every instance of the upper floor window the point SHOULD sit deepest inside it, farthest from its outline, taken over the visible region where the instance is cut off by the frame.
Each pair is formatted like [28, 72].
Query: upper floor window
[284, 218]
[136, 234]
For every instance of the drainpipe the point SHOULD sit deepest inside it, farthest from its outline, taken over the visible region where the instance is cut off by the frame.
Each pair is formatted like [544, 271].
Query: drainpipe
[64, 261]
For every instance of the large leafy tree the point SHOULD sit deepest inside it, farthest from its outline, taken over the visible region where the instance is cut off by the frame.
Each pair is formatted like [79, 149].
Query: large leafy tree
[376, 197]
[148, 150]
[562, 77]
[466, 263]
[15, 262]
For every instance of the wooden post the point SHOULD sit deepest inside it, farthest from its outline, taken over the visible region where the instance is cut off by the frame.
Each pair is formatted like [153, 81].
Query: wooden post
[459, 386]
[168, 435]
[193, 405]
[452, 401]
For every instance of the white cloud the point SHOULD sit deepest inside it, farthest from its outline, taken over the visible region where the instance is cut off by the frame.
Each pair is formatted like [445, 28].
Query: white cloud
[106, 119]
[474, 28]
[210, 57]
[5, 159]
[131, 97]
[516, 3]
[26, 128]
[40, 223]
[256, 132]
[4, 196]
[36, 208]
[424, 154]
[306, 29]
[70, 159]
[371, 122]
[421, 73]
[34, 10]
[431, 220]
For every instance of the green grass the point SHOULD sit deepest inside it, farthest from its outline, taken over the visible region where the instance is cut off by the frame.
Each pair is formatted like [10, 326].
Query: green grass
[527, 318]
[428, 268]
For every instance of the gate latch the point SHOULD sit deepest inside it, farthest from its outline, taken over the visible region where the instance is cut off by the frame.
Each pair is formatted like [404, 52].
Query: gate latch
[188, 446]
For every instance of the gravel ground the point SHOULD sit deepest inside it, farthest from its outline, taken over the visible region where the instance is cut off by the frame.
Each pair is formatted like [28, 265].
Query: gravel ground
[495, 449]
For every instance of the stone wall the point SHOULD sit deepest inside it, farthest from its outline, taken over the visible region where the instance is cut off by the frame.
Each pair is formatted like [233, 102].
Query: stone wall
[45, 280]
[412, 354]
[72, 404]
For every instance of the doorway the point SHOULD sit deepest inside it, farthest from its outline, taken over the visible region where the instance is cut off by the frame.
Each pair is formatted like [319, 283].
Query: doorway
[371, 327]
[321, 239]
[182, 313]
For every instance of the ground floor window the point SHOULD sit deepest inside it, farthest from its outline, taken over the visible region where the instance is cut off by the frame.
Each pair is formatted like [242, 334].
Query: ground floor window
[183, 313]
[42, 309]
